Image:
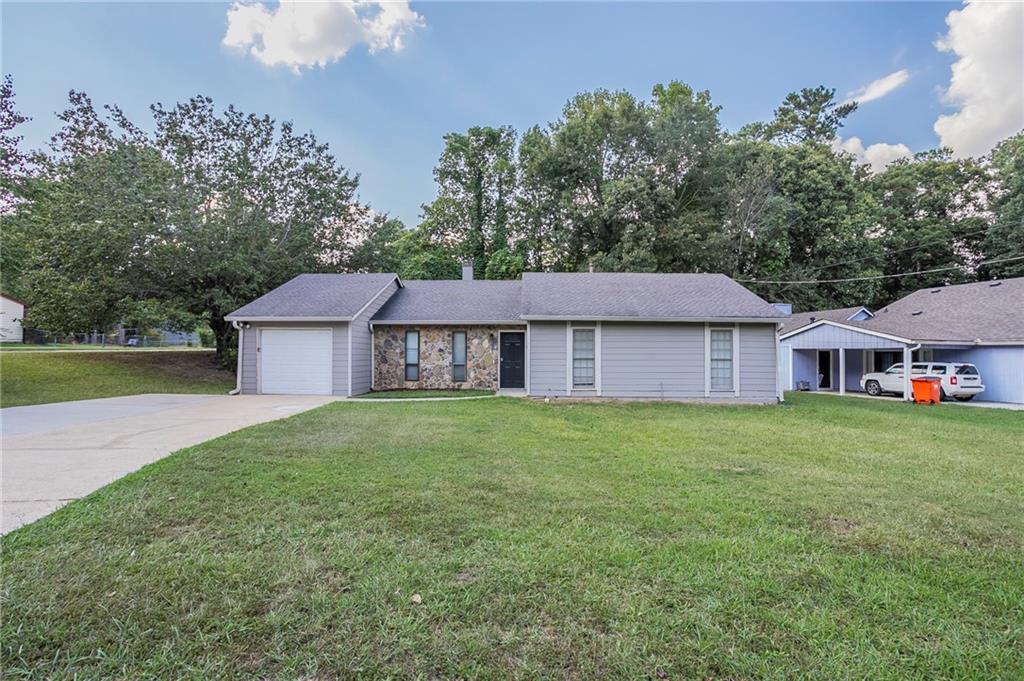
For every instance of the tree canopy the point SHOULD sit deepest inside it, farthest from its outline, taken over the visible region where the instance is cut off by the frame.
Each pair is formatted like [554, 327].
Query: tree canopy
[204, 209]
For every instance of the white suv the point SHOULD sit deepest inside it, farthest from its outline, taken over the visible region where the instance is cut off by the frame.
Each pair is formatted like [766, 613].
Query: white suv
[961, 381]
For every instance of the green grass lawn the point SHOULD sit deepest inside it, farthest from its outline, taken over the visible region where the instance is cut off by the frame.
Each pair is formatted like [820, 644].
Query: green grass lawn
[412, 394]
[826, 538]
[37, 378]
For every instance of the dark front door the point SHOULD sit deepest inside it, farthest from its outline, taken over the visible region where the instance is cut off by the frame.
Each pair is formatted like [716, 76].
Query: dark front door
[513, 354]
[825, 369]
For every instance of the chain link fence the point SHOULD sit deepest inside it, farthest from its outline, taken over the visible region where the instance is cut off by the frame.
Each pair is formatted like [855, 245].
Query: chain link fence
[122, 337]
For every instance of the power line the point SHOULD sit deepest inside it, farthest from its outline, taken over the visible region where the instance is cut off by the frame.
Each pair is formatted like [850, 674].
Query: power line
[878, 276]
[898, 250]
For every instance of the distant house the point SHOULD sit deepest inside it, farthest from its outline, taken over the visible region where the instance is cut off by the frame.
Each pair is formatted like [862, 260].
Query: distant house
[980, 323]
[638, 335]
[12, 311]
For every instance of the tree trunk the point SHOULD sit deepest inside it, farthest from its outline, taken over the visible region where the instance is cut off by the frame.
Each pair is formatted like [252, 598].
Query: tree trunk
[224, 333]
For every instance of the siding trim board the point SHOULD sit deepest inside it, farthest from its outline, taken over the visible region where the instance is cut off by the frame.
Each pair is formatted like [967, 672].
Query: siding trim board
[707, 359]
[736, 359]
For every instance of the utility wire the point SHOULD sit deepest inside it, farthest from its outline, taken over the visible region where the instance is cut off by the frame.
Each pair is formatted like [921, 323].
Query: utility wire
[898, 250]
[878, 276]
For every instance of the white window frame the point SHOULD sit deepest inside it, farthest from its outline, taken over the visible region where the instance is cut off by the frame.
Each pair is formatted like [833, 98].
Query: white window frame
[571, 358]
[734, 335]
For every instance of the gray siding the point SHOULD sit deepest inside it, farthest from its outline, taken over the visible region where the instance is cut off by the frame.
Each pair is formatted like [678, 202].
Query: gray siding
[248, 363]
[758, 361]
[339, 360]
[250, 354]
[362, 344]
[1001, 368]
[547, 358]
[827, 337]
[652, 360]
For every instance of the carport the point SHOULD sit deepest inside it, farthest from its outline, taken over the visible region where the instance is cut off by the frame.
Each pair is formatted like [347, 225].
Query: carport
[819, 353]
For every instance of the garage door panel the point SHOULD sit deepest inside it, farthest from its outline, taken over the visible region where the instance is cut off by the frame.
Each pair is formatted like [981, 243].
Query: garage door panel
[296, 361]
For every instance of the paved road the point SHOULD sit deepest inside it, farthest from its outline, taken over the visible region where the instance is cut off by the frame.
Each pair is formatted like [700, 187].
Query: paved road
[55, 453]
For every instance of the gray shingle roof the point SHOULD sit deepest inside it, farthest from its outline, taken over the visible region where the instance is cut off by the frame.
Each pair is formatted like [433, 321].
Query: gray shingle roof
[316, 296]
[566, 295]
[453, 301]
[800, 319]
[985, 311]
[628, 295]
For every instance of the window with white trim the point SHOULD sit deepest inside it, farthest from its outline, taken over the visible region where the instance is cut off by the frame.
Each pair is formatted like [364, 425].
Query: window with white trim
[583, 358]
[458, 356]
[412, 355]
[721, 359]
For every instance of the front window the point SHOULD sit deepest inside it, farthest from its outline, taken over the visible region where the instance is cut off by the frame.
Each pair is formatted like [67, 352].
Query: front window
[458, 356]
[895, 369]
[721, 359]
[583, 358]
[412, 355]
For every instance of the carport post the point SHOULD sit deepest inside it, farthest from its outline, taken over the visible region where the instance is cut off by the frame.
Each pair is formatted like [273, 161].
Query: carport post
[907, 361]
[842, 371]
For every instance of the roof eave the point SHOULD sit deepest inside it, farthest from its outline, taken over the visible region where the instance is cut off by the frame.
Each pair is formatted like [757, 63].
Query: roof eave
[264, 318]
[447, 322]
[606, 318]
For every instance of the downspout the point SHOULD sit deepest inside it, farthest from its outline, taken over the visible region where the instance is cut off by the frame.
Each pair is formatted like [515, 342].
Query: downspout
[908, 393]
[238, 369]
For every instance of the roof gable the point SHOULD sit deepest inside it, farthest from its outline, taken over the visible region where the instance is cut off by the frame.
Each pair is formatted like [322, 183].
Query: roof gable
[317, 297]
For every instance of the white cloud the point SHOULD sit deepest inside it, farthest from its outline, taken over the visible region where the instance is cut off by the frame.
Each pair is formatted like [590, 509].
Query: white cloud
[987, 83]
[306, 34]
[877, 89]
[879, 155]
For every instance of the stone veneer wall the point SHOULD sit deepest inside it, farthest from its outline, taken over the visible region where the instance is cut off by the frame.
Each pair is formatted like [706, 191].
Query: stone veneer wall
[436, 357]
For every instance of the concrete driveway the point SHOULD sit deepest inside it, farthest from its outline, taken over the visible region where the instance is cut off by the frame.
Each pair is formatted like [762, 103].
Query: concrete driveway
[55, 453]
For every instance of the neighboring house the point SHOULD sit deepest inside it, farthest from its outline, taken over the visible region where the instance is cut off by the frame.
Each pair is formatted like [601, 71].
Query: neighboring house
[845, 314]
[672, 336]
[12, 311]
[980, 324]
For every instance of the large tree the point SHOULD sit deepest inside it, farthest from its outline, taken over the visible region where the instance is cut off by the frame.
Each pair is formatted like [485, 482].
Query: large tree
[1005, 239]
[931, 215]
[259, 203]
[210, 211]
[810, 115]
[476, 178]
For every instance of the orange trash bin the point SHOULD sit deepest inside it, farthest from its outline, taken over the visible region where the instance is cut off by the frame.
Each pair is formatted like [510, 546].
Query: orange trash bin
[927, 390]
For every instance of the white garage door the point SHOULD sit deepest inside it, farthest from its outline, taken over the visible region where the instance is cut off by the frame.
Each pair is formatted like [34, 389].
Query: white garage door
[296, 361]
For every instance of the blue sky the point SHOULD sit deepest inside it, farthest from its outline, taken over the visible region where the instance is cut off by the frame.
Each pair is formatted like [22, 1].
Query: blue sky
[384, 113]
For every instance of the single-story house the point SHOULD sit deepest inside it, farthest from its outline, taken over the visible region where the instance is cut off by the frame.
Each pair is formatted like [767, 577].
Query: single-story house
[633, 335]
[980, 323]
[12, 311]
